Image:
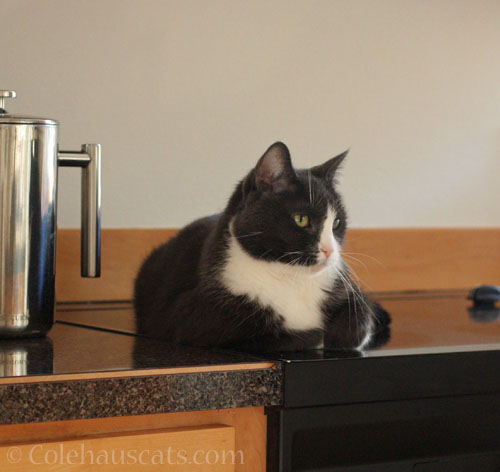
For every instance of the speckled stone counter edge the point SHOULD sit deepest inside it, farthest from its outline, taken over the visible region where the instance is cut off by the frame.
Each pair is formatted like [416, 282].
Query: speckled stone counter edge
[100, 398]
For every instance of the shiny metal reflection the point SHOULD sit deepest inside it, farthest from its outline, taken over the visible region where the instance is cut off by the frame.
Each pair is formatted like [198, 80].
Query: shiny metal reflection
[28, 190]
[28, 173]
[13, 363]
[26, 357]
[89, 158]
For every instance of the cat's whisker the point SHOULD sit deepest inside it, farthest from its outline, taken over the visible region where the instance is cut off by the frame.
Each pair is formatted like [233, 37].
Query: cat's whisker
[348, 298]
[289, 254]
[293, 262]
[352, 273]
[355, 276]
[358, 278]
[355, 300]
[356, 291]
[365, 255]
[309, 179]
[346, 278]
[313, 194]
[357, 260]
[249, 234]
[353, 287]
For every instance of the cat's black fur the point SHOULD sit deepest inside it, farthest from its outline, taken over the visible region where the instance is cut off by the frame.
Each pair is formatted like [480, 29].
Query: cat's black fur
[179, 294]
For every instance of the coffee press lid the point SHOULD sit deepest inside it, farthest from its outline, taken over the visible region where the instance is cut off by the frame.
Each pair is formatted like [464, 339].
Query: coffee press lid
[8, 118]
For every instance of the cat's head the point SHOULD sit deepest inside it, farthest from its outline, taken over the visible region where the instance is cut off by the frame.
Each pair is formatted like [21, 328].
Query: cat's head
[291, 216]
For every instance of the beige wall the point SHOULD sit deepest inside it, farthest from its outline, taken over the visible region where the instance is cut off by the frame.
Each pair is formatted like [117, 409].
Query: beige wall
[185, 95]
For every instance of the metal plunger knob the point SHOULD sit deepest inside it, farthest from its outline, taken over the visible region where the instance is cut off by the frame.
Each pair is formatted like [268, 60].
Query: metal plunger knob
[3, 95]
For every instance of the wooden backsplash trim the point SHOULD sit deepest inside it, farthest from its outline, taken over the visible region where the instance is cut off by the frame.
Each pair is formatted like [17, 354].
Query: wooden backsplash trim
[388, 259]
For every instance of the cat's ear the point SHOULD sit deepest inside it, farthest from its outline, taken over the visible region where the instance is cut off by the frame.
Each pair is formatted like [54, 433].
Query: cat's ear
[274, 171]
[329, 170]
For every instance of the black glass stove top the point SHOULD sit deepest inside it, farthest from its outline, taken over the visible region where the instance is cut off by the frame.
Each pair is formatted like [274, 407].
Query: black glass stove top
[440, 345]
[426, 322]
[430, 322]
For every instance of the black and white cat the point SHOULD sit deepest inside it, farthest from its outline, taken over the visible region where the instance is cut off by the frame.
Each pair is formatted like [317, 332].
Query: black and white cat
[266, 274]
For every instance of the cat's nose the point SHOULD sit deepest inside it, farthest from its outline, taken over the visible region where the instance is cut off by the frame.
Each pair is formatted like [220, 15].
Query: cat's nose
[327, 250]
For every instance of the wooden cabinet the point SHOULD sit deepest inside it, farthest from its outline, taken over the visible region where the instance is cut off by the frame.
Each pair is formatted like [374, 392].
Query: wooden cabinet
[218, 440]
[205, 448]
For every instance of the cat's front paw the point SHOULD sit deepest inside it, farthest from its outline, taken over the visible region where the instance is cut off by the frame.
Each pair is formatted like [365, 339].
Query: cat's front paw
[382, 327]
[362, 326]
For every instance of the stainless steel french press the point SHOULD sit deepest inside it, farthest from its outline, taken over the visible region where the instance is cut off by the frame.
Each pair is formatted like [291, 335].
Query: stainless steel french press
[29, 160]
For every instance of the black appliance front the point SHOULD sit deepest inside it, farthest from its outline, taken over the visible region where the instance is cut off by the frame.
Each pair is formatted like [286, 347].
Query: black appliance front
[426, 435]
[427, 401]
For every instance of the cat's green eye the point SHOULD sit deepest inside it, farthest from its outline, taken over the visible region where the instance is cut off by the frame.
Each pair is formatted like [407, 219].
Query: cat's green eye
[301, 220]
[336, 223]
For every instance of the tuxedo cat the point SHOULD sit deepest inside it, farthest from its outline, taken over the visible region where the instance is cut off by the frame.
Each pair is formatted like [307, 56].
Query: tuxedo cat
[266, 274]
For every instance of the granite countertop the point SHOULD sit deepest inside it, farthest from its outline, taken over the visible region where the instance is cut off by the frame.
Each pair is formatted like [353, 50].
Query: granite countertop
[92, 364]
[81, 372]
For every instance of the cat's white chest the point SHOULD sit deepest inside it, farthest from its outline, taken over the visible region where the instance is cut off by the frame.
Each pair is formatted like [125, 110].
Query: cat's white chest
[290, 291]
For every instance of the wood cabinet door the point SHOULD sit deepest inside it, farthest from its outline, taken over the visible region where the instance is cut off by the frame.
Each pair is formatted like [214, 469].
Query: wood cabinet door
[200, 448]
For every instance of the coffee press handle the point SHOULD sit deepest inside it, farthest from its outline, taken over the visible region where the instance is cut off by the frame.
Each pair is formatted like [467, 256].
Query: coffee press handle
[89, 159]
[3, 95]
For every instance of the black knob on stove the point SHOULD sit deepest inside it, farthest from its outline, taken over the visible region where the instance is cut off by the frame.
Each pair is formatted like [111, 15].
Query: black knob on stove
[485, 295]
[484, 298]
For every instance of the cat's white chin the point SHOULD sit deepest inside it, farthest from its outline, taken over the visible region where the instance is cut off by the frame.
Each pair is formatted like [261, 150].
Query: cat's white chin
[322, 267]
[319, 267]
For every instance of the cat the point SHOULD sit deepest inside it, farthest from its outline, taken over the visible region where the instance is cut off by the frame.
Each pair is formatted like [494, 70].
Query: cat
[267, 274]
